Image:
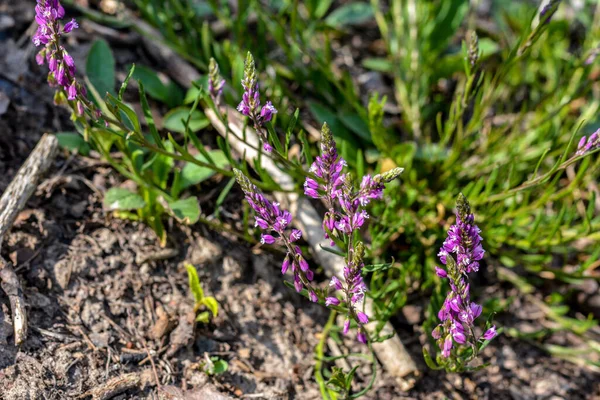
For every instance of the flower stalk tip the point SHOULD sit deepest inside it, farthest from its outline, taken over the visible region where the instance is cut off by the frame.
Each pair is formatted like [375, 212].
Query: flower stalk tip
[250, 105]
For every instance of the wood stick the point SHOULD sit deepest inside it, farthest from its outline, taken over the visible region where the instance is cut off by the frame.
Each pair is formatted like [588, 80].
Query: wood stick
[12, 202]
[392, 354]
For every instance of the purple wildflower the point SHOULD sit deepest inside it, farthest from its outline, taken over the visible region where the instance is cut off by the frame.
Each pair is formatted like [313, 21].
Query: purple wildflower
[328, 168]
[458, 313]
[250, 104]
[69, 26]
[441, 272]
[361, 336]
[270, 218]
[346, 327]
[346, 214]
[335, 283]
[592, 143]
[332, 301]
[464, 241]
[48, 14]
[490, 333]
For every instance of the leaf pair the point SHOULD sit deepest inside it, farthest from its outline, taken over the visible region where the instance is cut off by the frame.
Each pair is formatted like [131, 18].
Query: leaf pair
[201, 300]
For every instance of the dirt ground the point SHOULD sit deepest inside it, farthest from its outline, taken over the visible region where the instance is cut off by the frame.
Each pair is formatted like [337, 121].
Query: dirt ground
[110, 310]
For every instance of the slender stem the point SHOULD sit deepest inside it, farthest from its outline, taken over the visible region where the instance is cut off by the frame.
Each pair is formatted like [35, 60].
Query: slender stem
[319, 355]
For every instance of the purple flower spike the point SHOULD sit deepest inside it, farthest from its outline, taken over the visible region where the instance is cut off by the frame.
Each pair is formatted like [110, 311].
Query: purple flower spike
[346, 214]
[250, 105]
[215, 82]
[48, 14]
[327, 167]
[464, 241]
[276, 223]
[458, 313]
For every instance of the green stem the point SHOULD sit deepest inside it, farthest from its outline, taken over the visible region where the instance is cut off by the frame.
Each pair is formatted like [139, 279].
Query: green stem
[319, 355]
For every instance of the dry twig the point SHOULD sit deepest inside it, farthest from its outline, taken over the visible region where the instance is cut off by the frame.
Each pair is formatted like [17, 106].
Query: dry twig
[12, 202]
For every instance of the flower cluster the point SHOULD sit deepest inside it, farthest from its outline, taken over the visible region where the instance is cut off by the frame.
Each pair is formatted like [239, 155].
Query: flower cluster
[328, 168]
[215, 82]
[48, 14]
[275, 222]
[250, 104]
[346, 214]
[464, 241]
[588, 144]
[458, 313]
[346, 206]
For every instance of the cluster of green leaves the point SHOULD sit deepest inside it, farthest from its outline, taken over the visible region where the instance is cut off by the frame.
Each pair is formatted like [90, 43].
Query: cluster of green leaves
[161, 169]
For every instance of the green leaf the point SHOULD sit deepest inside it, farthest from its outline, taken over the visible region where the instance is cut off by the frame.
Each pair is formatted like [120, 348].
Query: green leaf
[134, 123]
[126, 82]
[148, 116]
[350, 14]
[194, 283]
[162, 166]
[100, 67]
[429, 361]
[186, 211]
[211, 304]
[220, 366]
[378, 64]
[322, 7]
[357, 125]
[203, 317]
[337, 381]
[74, 142]
[347, 143]
[169, 93]
[123, 199]
[448, 19]
[193, 174]
[174, 120]
[333, 250]
[377, 267]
